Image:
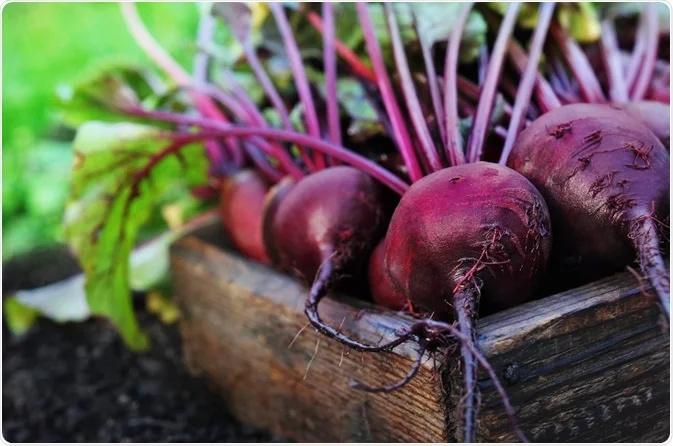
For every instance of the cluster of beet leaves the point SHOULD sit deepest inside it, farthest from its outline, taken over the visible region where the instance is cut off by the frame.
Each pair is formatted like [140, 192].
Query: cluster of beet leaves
[464, 178]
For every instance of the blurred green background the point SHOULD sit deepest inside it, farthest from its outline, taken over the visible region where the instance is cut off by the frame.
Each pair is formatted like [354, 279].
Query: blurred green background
[47, 45]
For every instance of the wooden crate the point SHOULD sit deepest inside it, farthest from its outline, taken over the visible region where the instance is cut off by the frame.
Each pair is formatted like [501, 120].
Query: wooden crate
[591, 364]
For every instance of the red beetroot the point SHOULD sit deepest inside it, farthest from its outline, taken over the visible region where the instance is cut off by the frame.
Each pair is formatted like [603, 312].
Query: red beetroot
[271, 202]
[383, 291]
[605, 178]
[241, 209]
[322, 228]
[451, 232]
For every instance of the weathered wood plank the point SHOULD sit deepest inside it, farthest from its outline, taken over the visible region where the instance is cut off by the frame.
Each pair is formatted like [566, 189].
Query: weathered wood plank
[587, 365]
[592, 365]
[241, 317]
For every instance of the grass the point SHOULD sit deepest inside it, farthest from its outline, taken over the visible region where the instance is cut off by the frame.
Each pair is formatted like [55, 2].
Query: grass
[46, 45]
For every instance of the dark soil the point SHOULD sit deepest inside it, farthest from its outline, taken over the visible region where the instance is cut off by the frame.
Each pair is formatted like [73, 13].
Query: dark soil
[78, 383]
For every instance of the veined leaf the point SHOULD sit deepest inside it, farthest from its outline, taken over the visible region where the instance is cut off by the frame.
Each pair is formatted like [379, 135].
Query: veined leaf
[107, 87]
[119, 174]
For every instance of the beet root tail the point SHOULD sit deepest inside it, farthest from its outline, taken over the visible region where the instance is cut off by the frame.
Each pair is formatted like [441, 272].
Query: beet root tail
[318, 291]
[651, 262]
[401, 383]
[465, 303]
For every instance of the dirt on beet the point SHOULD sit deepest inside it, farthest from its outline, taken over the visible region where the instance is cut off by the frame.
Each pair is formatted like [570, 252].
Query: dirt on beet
[79, 383]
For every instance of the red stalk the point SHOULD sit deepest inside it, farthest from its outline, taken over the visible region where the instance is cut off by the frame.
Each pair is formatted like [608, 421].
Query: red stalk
[590, 88]
[400, 134]
[646, 71]
[453, 145]
[426, 143]
[475, 143]
[433, 82]
[613, 63]
[638, 52]
[329, 54]
[527, 81]
[352, 59]
[215, 129]
[160, 56]
[544, 93]
[297, 66]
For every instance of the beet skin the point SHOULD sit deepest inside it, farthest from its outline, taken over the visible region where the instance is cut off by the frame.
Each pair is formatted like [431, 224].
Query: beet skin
[241, 209]
[323, 229]
[605, 178]
[478, 224]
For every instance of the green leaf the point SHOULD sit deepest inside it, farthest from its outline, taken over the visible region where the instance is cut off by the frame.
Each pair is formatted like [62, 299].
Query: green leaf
[119, 174]
[581, 20]
[104, 88]
[18, 317]
[436, 21]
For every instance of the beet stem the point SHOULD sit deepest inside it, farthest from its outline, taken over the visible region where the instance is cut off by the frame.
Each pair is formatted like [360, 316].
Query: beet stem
[646, 71]
[525, 91]
[590, 88]
[219, 129]
[483, 64]
[204, 36]
[399, 384]
[475, 143]
[560, 71]
[613, 63]
[273, 95]
[400, 134]
[356, 64]
[428, 148]
[297, 66]
[639, 49]
[245, 113]
[329, 54]
[652, 263]
[544, 93]
[217, 152]
[471, 91]
[453, 146]
[160, 56]
[318, 291]
[254, 115]
[433, 82]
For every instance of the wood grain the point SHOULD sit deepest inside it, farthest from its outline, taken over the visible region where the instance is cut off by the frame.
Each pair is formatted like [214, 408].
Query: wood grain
[591, 364]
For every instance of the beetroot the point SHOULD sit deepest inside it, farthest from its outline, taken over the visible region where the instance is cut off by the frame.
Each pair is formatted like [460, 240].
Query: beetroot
[241, 209]
[383, 291]
[322, 228]
[605, 178]
[450, 233]
[271, 202]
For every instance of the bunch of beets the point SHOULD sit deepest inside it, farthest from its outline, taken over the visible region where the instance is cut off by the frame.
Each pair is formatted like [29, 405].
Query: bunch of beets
[572, 182]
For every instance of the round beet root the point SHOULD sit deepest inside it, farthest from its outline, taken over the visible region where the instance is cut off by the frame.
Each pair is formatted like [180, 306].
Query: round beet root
[241, 209]
[271, 202]
[452, 231]
[323, 227]
[605, 178]
[380, 285]
[654, 115]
